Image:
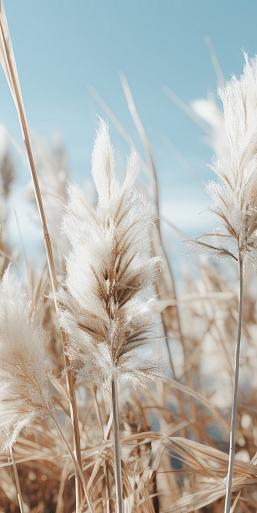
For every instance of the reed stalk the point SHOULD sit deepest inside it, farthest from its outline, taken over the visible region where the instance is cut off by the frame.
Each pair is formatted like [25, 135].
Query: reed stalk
[232, 441]
[17, 483]
[16, 92]
[117, 449]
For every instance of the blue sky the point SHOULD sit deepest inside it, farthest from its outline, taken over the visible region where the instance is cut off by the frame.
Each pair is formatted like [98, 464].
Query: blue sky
[62, 47]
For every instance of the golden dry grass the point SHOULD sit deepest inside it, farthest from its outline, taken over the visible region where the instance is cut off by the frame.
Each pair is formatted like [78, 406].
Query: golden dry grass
[171, 437]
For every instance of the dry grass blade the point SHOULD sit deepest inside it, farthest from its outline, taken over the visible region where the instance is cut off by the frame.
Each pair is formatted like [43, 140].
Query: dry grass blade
[144, 442]
[17, 483]
[156, 194]
[9, 66]
[184, 107]
[215, 62]
[211, 464]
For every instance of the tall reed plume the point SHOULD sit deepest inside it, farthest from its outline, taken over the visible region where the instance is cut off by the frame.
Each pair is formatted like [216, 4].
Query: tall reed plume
[235, 201]
[108, 269]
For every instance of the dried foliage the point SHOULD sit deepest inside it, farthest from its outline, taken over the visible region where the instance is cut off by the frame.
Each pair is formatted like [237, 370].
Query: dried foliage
[157, 448]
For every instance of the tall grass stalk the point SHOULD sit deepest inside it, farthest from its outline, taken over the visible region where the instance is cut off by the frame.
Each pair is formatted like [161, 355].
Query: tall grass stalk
[17, 482]
[232, 441]
[10, 70]
[108, 270]
[117, 449]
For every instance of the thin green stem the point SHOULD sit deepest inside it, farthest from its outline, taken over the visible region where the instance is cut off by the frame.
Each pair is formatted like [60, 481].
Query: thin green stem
[117, 451]
[232, 441]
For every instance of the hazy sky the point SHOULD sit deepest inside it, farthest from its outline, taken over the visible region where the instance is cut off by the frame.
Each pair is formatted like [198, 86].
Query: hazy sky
[63, 46]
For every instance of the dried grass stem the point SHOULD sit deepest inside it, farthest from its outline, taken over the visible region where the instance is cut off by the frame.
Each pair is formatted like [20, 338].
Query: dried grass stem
[47, 240]
[17, 483]
[232, 441]
[117, 450]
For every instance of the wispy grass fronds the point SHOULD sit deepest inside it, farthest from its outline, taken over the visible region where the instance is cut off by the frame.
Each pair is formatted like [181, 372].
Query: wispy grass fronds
[209, 464]
[8, 63]
[24, 363]
[235, 199]
[234, 192]
[108, 269]
[25, 366]
[167, 285]
[163, 447]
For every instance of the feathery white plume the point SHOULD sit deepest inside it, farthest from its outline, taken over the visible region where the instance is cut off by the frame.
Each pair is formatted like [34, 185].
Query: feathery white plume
[102, 164]
[235, 192]
[235, 203]
[108, 268]
[23, 362]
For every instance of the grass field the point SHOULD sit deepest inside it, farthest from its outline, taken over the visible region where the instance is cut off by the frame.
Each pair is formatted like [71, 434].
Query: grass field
[124, 388]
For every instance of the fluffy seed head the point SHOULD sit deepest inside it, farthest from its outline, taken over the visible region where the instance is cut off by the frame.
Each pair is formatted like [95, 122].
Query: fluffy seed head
[23, 362]
[108, 269]
[234, 194]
